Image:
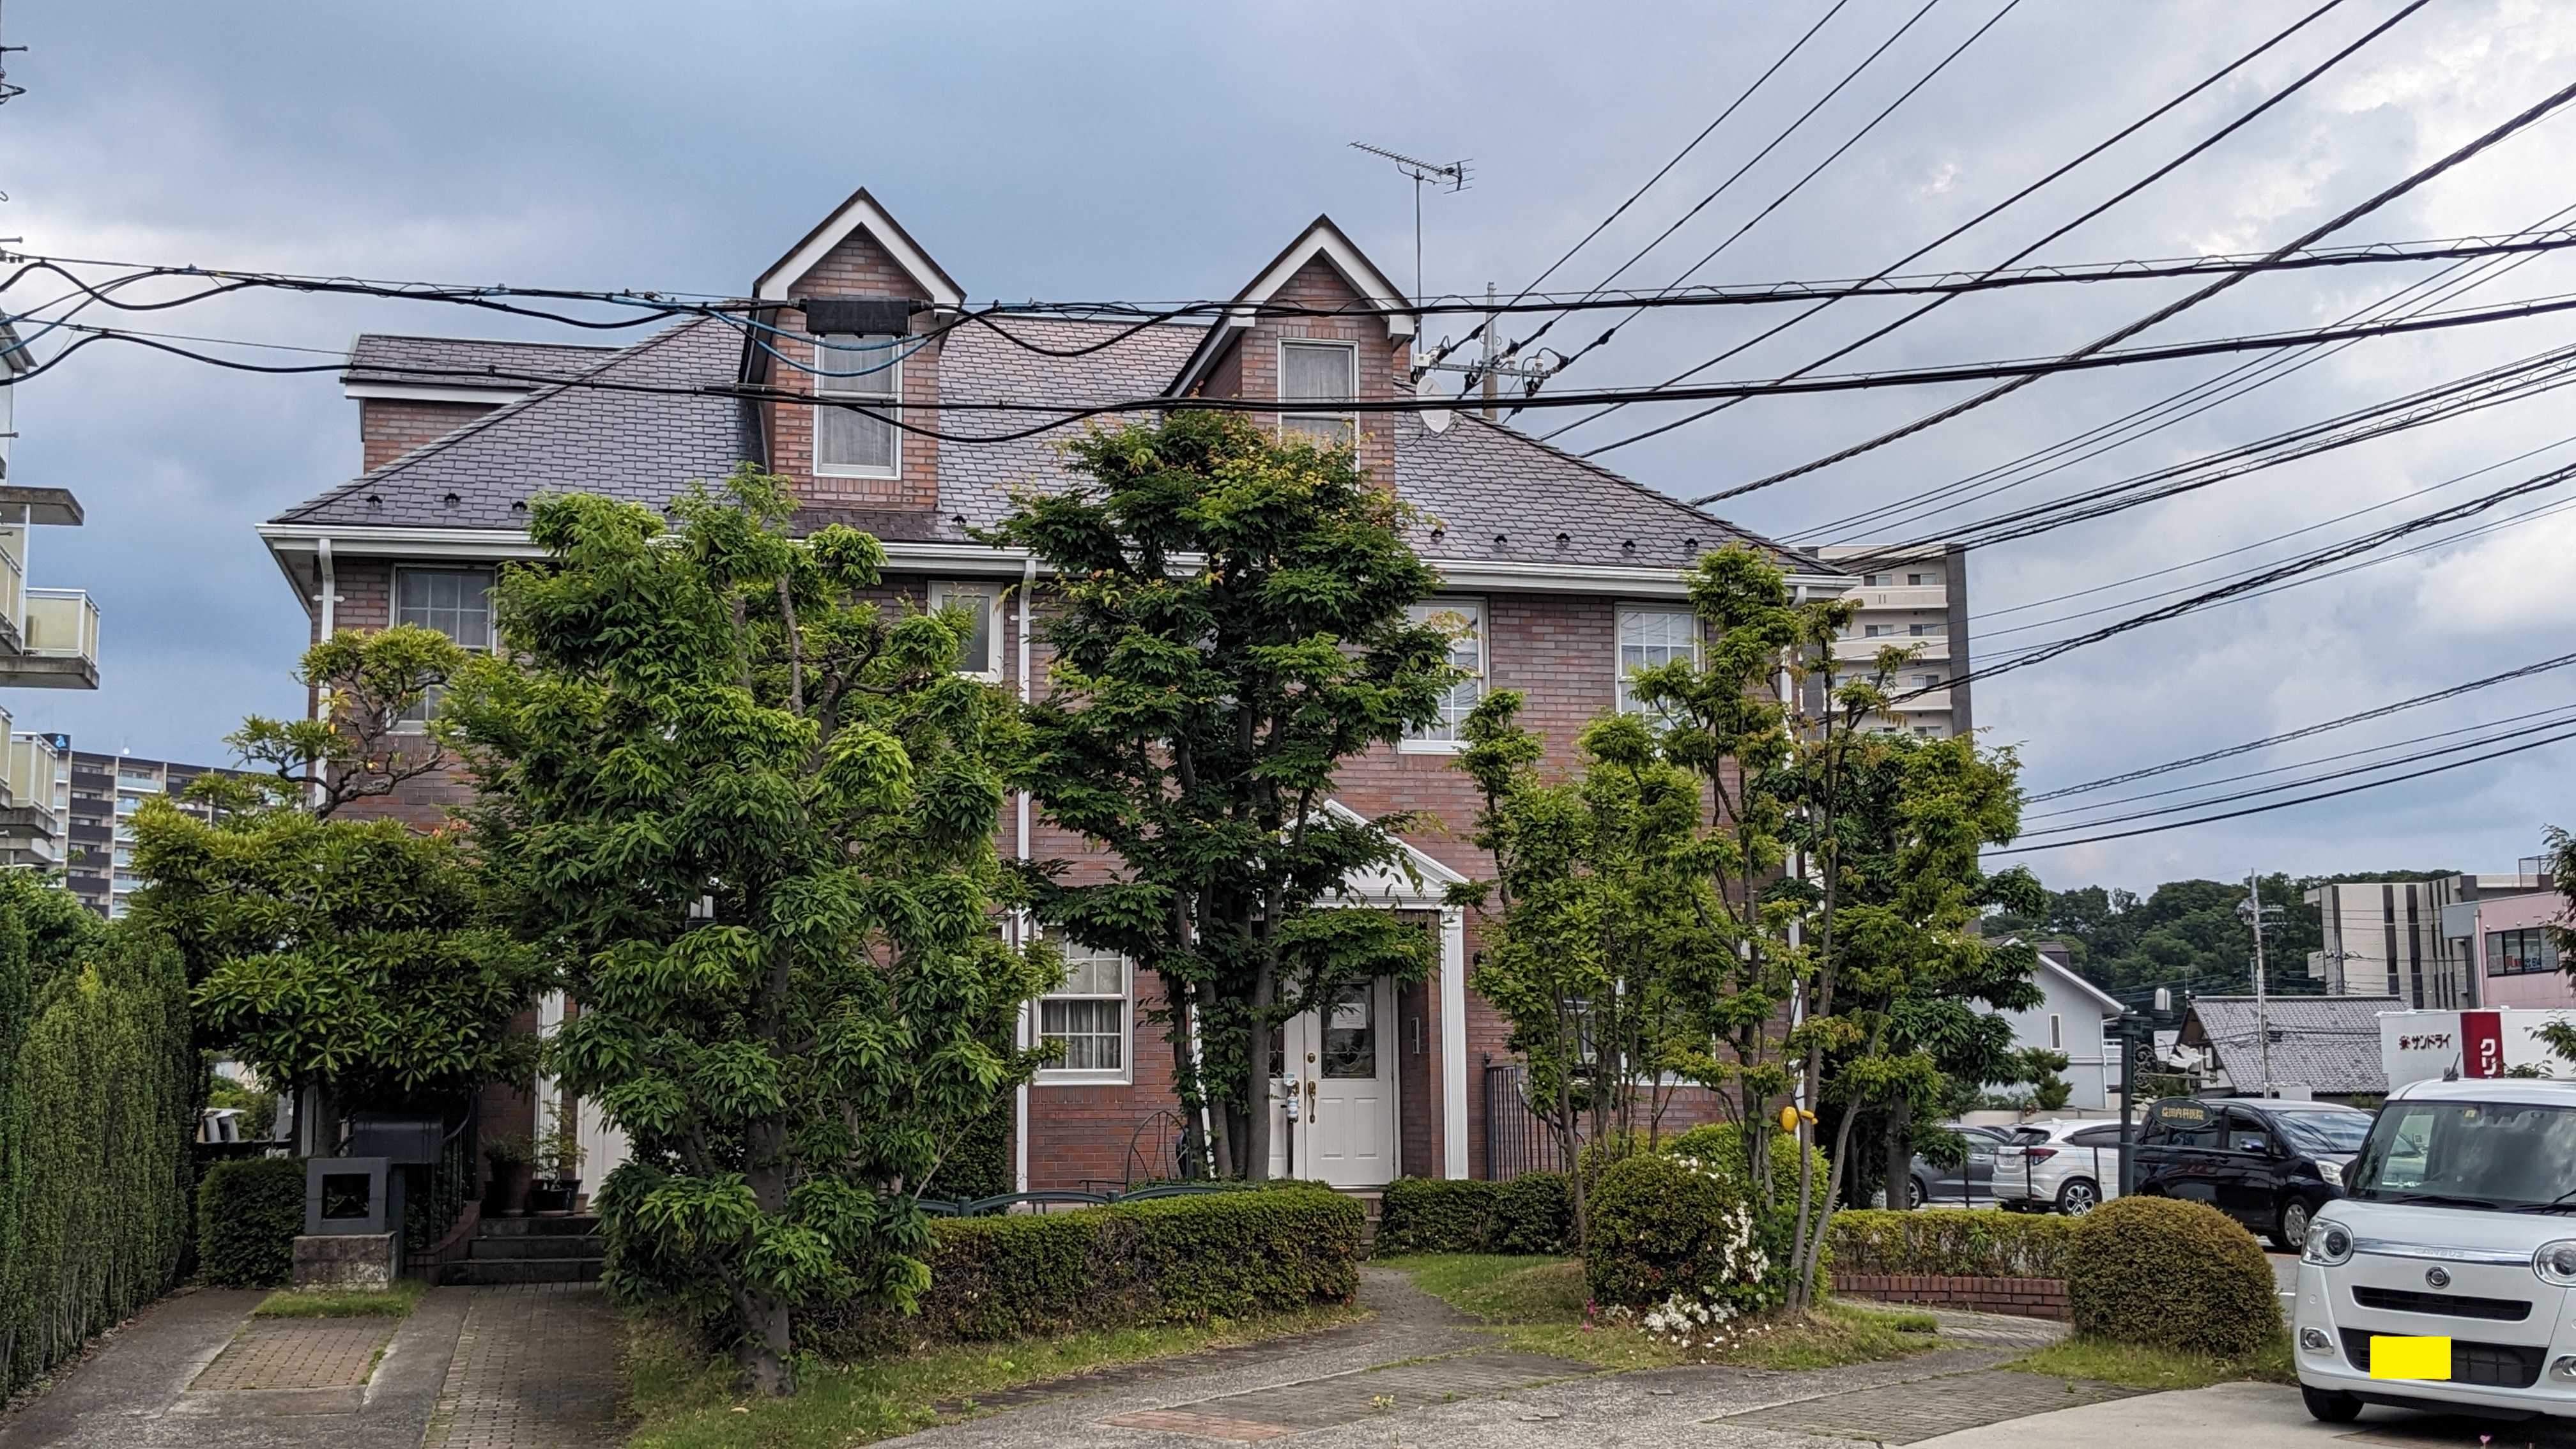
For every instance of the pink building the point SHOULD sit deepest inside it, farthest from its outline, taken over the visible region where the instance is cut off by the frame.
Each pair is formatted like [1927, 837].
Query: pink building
[2517, 957]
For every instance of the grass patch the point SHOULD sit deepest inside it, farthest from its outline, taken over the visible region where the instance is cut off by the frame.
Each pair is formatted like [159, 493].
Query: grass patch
[2139, 1366]
[287, 1303]
[1538, 1304]
[686, 1400]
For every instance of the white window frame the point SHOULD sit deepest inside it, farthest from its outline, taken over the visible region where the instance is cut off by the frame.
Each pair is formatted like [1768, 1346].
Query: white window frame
[416, 721]
[892, 401]
[1621, 699]
[1288, 421]
[2056, 1032]
[1443, 739]
[990, 591]
[1125, 1074]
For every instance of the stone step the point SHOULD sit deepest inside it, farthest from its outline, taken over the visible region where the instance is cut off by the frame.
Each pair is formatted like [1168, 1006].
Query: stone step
[575, 1225]
[549, 1245]
[495, 1272]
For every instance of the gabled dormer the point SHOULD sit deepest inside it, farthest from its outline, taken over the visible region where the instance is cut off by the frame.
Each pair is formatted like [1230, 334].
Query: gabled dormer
[849, 298]
[1348, 336]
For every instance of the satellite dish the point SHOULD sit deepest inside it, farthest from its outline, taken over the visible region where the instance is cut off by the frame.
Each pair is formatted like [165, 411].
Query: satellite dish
[1437, 419]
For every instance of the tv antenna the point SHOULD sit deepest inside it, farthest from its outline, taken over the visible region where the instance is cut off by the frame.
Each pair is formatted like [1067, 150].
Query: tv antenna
[1454, 174]
[8, 92]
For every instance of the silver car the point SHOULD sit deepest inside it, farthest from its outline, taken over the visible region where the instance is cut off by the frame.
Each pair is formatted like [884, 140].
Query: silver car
[2065, 1166]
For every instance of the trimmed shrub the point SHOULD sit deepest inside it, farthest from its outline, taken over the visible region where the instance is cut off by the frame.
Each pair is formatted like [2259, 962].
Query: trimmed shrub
[1663, 1226]
[1951, 1242]
[1433, 1215]
[1721, 1146]
[249, 1212]
[2170, 1274]
[1533, 1213]
[1166, 1260]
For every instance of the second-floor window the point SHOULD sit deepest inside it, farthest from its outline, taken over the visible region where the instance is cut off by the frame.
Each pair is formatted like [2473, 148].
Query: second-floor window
[455, 602]
[847, 442]
[980, 652]
[1649, 637]
[1319, 372]
[2518, 953]
[1924, 631]
[1463, 620]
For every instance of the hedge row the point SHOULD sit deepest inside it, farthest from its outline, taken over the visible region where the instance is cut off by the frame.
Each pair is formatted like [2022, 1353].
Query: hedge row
[1166, 1260]
[1951, 1242]
[1532, 1213]
[249, 1212]
[98, 1082]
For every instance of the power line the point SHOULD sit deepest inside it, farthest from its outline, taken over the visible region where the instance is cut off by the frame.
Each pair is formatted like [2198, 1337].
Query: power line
[2304, 731]
[2173, 309]
[1999, 207]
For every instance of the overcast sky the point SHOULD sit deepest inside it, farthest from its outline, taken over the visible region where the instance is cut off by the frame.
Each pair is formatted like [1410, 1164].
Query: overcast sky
[1166, 151]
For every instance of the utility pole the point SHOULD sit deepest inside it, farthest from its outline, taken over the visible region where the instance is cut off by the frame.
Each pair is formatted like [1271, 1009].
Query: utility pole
[2258, 915]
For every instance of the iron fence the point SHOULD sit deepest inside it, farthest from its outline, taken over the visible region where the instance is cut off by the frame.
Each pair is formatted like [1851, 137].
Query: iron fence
[1517, 1140]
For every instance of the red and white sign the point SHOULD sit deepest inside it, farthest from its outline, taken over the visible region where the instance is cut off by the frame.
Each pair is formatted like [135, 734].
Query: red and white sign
[2425, 1046]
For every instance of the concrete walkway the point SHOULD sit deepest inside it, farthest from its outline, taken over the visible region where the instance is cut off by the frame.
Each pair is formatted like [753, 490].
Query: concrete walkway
[530, 1367]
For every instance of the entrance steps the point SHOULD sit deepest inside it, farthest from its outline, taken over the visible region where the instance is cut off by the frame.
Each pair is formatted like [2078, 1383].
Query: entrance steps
[532, 1250]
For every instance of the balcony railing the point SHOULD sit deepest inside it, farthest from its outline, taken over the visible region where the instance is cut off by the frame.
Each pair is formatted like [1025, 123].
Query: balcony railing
[58, 642]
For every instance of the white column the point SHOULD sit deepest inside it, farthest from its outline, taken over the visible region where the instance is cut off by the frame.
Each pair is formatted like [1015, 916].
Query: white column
[1453, 1043]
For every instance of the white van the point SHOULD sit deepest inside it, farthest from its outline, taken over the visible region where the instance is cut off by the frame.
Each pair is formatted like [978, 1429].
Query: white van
[2458, 1221]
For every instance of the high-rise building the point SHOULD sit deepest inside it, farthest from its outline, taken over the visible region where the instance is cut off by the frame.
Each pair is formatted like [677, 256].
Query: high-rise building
[104, 792]
[2419, 940]
[1914, 598]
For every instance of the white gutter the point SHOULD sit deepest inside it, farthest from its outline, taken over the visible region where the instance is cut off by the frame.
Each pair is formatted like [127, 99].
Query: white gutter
[329, 596]
[1020, 1107]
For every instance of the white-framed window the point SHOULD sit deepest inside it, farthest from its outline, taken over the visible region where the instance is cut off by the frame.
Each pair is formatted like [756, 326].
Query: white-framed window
[848, 443]
[980, 654]
[1463, 620]
[1318, 371]
[1649, 636]
[455, 602]
[1927, 732]
[1927, 631]
[2056, 1032]
[1927, 681]
[1090, 1015]
[1873, 581]
[1918, 581]
[1876, 631]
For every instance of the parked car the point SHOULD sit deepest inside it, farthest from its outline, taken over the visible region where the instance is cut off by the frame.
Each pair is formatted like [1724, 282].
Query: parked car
[1970, 1184]
[2269, 1164]
[2066, 1166]
[2451, 1239]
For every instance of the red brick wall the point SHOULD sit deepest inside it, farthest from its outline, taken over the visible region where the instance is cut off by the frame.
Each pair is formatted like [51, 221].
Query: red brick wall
[389, 427]
[1251, 367]
[2021, 1297]
[858, 267]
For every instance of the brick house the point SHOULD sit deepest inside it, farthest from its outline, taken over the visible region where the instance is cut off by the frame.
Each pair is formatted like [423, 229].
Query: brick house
[1561, 573]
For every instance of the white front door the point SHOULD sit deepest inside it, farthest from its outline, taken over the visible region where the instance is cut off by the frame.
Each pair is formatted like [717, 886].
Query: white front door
[1341, 1062]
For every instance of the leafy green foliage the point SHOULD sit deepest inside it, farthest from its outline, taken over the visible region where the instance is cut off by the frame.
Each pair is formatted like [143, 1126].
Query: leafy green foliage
[2171, 1274]
[2185, 934]
[747, 809]
[98, 1089]
[1435, 1215]
[359, 746]
[1663, 1225]
[1952, 1242]
[249, 1212]
[1164, 1260]
[1534, 1213]
[1231, 626]
[356, 955]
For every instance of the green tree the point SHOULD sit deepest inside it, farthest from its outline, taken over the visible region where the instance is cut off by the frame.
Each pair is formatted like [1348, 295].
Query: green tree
[750, 812]
[1231, 626]
[357, 956]
[1597, 934]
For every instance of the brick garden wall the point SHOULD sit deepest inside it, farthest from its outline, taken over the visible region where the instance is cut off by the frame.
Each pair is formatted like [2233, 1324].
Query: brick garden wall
[2021, 1297]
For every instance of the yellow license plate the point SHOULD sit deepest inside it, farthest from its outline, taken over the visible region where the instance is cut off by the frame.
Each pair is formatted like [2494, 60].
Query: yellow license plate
[2409, 1358]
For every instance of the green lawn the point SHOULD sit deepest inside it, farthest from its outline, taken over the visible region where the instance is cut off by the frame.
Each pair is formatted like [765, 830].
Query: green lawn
[1538, 1305]
[2156, 1368]
[287, 1303]
[687, 1401]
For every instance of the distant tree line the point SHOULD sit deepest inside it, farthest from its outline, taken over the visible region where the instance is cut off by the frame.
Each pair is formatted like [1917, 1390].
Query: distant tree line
[2186, 934]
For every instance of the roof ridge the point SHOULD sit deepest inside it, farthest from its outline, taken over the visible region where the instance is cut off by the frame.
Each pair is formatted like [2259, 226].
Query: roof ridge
[495, 341]
[1469, 414]
[546, 392]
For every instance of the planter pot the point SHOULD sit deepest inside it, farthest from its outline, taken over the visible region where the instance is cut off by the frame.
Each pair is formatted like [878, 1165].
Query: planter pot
[507, 1196]
[553, 1198]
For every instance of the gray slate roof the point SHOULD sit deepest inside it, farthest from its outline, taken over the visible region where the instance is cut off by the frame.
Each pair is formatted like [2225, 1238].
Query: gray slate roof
[386, 357]
[1490, 492]
[2329, 1044]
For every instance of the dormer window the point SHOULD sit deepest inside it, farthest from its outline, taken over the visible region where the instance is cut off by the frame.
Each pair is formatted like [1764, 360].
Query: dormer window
[849, 443]
[1319, 372]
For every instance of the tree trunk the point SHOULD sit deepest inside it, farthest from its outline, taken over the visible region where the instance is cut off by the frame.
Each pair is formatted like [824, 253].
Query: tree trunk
[1900, 1161]
[1257, 1074]
[762, 1355]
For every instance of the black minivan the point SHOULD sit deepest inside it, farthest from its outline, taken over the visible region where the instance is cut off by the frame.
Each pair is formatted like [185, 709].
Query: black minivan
[2267, 1163]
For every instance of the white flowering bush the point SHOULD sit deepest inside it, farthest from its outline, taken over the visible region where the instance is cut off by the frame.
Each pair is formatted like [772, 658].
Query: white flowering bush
[1674, 1239]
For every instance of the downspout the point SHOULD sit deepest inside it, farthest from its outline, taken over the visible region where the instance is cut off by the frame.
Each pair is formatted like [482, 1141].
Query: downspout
[1020, 1106]
[329, 596]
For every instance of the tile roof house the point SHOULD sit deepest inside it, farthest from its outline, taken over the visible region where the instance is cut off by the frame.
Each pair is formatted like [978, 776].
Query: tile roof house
[2327, 1044]
[1560, 570]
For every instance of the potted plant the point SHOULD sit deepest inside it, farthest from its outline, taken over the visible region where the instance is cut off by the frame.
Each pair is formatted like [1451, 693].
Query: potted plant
[513, 1156]
[558, 1170]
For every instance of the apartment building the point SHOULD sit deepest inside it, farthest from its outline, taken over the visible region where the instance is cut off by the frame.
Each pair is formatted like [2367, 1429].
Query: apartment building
[48, 640]
[1916, 598]
[2445, 944]
[101, 794]
[1558, 576]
